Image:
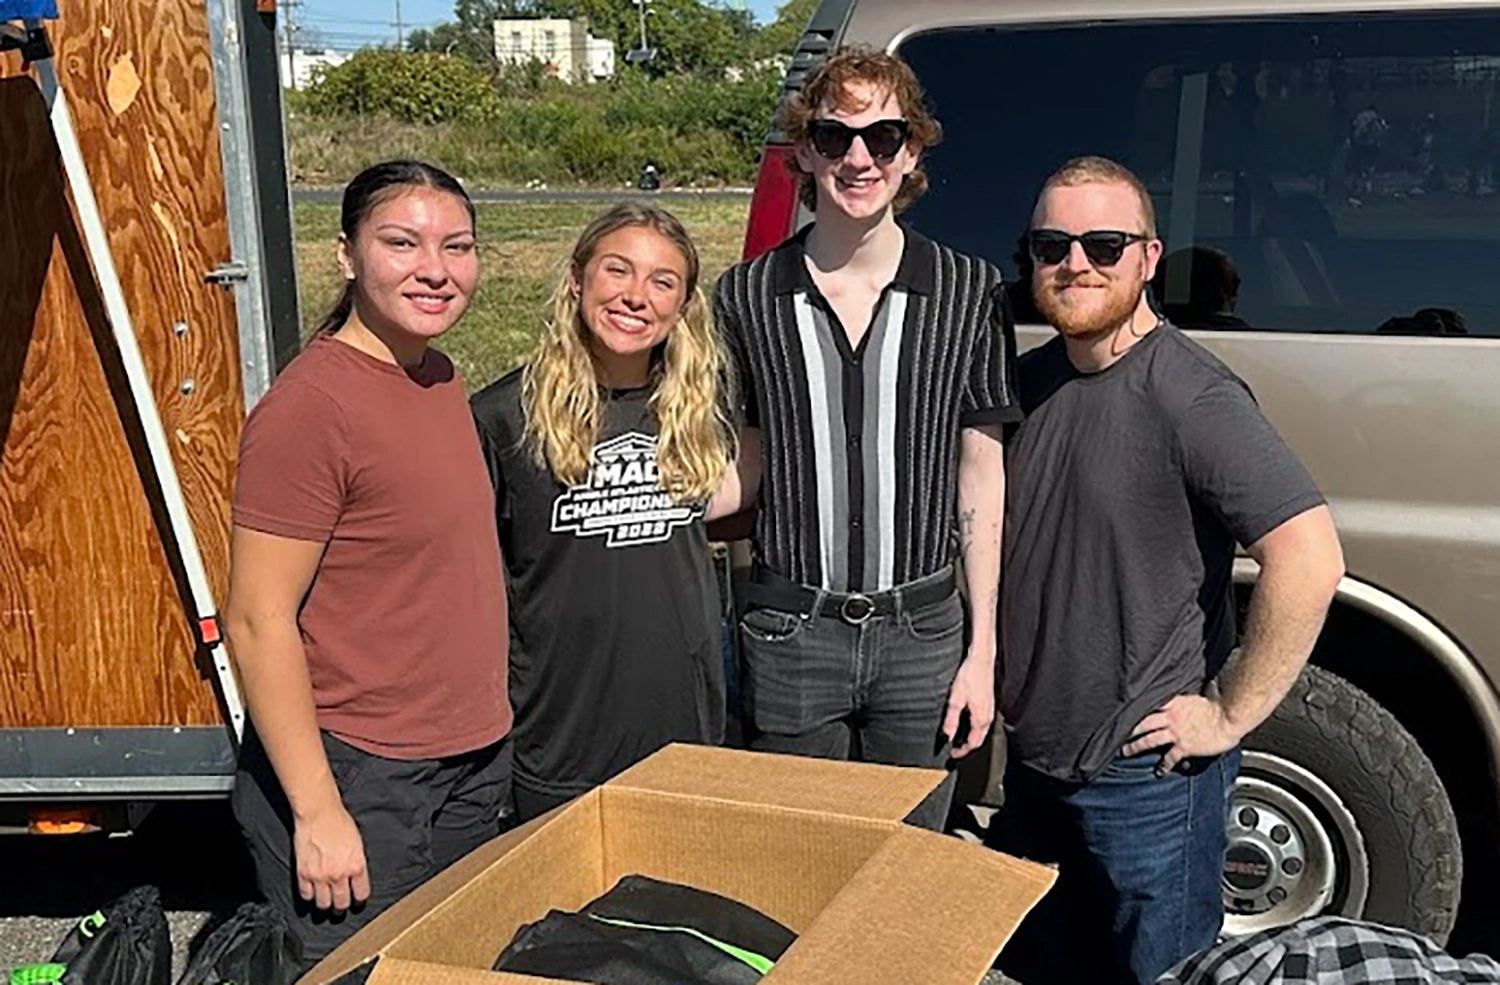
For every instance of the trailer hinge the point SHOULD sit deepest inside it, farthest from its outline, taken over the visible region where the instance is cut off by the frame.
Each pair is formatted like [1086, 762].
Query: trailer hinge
[226, 274]
[31, 41]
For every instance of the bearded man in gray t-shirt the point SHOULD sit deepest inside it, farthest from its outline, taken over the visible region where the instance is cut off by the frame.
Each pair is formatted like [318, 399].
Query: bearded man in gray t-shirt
[1142, 462]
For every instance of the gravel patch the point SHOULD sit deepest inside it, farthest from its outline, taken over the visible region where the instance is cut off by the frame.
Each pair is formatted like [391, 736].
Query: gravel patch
[31, 940]
[190, 851]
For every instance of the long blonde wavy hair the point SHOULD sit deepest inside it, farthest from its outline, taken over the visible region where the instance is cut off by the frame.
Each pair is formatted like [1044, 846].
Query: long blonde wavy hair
[560, 389]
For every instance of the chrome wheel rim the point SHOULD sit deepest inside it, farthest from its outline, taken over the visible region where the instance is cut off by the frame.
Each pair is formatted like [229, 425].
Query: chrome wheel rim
[1295, 850]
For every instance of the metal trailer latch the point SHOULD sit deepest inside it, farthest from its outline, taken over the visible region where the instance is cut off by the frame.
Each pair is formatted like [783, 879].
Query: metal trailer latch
[226, 274]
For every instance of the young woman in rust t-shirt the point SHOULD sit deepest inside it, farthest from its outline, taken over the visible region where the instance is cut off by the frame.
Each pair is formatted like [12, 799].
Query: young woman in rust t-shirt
[367, 607]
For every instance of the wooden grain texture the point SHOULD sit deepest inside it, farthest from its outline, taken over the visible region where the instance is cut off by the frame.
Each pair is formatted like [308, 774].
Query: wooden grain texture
[72, 577]
[93, 623]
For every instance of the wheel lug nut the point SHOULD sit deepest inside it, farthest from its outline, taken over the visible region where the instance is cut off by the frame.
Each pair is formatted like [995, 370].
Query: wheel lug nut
[1291, 866]
[1281, 834]
[1248, 818]
[1276, 895]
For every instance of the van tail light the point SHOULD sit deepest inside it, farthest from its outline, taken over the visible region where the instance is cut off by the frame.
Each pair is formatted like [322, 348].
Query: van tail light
[773, 208]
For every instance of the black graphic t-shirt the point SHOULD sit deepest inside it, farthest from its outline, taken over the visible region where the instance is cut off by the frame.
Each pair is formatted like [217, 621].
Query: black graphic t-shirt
[613, 603]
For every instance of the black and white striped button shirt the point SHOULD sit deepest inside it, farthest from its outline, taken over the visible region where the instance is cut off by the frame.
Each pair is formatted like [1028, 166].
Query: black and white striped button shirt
[860, 481]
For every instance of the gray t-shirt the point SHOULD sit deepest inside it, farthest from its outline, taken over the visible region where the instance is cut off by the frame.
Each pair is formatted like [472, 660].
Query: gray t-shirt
[1127, 491]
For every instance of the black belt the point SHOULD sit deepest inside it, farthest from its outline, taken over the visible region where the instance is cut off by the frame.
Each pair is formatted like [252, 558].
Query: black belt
[768, 590]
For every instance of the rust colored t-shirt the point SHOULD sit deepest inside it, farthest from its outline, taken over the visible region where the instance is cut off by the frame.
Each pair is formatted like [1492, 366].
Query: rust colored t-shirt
[405, 622]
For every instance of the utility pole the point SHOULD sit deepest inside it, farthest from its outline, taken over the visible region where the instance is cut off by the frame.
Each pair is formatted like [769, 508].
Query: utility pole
[289, 30]
[400, 31]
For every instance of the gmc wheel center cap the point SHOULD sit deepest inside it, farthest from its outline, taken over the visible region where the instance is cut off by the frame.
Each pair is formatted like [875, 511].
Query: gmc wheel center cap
[1246, 867]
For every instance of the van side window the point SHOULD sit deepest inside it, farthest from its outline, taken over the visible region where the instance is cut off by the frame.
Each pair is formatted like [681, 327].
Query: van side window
[1310, 174]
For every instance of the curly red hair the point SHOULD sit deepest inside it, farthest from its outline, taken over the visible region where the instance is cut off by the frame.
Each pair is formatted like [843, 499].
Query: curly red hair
[832, 84]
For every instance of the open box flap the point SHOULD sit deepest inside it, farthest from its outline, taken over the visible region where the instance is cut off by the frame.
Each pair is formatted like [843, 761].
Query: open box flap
[398, 971]
[926, 908]
[841, 789]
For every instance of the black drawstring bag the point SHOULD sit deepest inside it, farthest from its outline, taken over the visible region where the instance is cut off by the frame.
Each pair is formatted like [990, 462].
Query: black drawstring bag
[125, 943]
[253, 947]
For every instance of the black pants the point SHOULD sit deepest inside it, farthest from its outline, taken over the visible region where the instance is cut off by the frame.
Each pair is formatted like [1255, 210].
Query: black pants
[416, 818]
[534, 803]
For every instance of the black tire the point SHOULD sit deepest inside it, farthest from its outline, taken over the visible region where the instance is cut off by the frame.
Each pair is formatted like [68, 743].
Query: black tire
[1383, 784]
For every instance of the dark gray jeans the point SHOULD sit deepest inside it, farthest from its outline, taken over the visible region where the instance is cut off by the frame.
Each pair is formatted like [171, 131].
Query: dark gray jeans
[876, 692]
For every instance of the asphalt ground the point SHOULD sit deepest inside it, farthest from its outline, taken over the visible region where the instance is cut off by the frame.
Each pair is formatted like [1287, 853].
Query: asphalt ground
[190, 851]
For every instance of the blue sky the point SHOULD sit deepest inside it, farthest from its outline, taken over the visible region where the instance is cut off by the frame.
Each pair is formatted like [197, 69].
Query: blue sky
[350, 23]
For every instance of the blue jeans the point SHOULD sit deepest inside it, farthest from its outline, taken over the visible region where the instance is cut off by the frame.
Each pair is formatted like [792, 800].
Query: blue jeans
[1140, 862]
[734, 729]
[875, 692]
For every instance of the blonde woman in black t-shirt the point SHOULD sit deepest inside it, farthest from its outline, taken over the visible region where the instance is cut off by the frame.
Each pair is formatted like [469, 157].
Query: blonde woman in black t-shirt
[609, 449]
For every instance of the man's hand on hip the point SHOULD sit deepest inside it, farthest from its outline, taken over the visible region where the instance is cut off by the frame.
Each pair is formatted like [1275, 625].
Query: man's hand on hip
[973, 691]
[1187, 726]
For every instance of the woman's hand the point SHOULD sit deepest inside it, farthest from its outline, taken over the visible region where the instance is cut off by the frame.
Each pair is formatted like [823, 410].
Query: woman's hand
[330, 858]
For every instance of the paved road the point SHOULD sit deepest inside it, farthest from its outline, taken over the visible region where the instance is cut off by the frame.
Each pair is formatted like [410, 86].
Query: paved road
[549, 194]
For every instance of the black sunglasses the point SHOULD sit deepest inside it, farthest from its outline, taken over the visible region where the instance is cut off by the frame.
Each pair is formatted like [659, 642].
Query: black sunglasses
[883, 138]
[1103, 247]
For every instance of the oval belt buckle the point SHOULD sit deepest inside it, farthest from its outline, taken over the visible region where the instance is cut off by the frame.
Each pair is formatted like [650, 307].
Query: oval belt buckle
[863, 607]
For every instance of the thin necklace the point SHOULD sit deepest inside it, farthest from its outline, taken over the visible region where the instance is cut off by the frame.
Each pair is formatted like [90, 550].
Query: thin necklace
[1134, 337]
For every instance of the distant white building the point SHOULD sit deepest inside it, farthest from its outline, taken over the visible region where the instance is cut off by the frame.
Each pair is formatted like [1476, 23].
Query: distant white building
[601, 58]
[296, 65]
[565, 46]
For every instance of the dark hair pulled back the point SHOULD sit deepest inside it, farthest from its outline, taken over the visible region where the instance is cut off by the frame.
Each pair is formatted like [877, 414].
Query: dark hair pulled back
[369, 188]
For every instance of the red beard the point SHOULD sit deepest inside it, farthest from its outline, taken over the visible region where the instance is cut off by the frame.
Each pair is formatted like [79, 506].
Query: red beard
[1091, 314]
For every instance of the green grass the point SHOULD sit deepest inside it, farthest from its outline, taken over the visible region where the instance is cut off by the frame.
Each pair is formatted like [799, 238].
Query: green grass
[524, 250]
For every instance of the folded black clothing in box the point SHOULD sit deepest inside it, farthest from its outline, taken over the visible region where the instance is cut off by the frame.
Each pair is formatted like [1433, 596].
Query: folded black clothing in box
[647, 932]
[573, 947]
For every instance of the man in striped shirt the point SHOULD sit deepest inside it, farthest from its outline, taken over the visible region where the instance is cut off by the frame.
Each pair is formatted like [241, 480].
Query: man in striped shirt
[877, 369]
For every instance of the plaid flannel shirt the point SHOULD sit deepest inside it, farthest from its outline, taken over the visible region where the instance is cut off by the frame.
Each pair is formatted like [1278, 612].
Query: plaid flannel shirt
[1331, 951]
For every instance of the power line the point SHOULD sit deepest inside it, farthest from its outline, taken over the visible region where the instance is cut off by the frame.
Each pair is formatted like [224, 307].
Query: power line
[339, 19]
[349, 43]
[338, 39]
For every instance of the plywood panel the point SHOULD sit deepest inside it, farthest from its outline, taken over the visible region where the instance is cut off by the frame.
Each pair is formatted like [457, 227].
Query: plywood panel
[92, 623]
[80, 566]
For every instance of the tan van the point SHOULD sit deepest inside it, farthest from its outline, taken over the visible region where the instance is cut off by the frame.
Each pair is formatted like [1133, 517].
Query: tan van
[1327, 177]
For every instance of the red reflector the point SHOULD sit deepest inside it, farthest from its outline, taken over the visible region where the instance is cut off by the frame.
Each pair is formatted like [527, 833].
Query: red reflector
[773, 208]
[208, 631]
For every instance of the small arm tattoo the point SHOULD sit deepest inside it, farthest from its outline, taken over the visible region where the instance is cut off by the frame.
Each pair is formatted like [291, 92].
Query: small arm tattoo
[966, 529]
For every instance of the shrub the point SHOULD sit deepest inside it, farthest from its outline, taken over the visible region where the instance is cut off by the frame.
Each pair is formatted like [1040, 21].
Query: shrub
[416, 88]
[512, 128]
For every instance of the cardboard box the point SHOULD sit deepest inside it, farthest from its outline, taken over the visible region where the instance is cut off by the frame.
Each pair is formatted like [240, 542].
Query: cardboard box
[817, 845]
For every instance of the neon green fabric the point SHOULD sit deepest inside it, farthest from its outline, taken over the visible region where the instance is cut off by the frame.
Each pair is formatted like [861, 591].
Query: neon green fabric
[756, 961]
[38, 974]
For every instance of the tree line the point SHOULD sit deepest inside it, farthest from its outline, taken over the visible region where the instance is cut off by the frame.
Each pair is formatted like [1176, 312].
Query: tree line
[687, 36]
